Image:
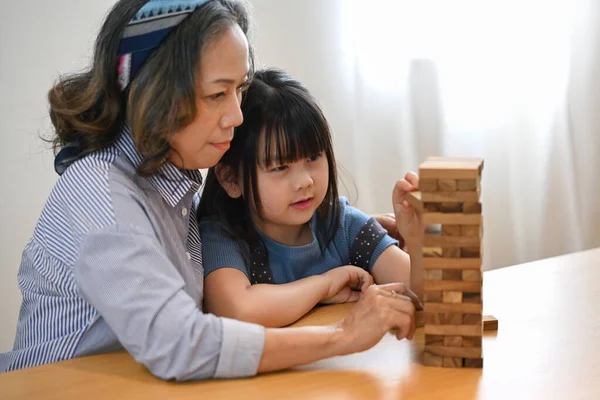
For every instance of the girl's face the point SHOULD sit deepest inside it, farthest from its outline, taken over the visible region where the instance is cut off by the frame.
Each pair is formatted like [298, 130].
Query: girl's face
[222, 75]
[291, 193]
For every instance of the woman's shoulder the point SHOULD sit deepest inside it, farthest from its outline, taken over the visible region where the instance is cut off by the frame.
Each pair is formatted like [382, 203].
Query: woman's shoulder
[85, 193]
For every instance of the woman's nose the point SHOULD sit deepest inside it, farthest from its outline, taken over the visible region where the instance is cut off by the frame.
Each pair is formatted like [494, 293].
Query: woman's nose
[233, 116]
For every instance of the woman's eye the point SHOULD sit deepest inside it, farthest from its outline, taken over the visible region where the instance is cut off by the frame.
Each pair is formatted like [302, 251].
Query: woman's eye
[243, 86]
[217, 96]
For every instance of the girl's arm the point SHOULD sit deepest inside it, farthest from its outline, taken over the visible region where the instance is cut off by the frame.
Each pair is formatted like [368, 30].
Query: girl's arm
[228, 293]
[394, 265]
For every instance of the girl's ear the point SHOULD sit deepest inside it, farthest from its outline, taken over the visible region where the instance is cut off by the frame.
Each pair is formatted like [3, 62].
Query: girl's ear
[228, 180]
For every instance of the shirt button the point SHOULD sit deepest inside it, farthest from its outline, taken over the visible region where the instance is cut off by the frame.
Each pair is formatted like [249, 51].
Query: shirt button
[189, 256]
[184, 211]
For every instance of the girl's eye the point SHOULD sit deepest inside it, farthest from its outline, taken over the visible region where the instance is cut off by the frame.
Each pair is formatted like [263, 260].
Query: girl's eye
[278, 168]
[315, 157]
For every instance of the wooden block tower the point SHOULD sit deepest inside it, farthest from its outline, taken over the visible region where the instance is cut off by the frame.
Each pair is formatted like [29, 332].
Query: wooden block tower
[450, 200]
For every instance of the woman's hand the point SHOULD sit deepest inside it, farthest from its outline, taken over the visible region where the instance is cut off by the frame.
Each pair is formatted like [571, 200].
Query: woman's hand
[380, 309]
[346, 284]
[408, 219]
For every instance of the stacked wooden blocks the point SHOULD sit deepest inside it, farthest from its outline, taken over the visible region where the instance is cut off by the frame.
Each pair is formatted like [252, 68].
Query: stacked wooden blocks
[450, 200]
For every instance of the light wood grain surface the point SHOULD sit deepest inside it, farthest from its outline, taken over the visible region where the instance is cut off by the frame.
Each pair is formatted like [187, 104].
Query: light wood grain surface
[547, 347]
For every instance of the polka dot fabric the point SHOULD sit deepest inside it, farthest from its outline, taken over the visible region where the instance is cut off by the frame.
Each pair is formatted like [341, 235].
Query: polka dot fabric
[260, 272]
[365, 243]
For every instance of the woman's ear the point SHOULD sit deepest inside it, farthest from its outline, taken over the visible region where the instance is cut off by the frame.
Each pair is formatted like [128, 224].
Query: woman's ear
[228, 180]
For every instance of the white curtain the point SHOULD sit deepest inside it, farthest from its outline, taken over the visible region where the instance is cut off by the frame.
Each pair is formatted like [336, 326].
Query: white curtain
[513, 81]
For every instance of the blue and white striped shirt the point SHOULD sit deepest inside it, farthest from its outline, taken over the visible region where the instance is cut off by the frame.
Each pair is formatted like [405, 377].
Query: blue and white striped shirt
[115, 261]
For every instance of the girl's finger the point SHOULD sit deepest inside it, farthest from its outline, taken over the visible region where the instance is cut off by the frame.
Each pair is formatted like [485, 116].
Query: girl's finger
[412, 178]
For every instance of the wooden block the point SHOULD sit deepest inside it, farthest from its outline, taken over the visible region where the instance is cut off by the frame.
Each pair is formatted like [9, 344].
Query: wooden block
[471, 230]
[490, 323]
[451, 168]
[473, 363]
[414, 199]
[452, 362]
[471, 319]
[451, 218]
[432, 296]
[451, 252]
[452, 274]
[468, 185]
[431, 360]
[451, 230]
[442, 319]
[446, 185]
[433, 318]
[466, 352]
[452, 297]
[452, 286]
[451, 241]
[470, 275]
[472, 297]
[458, 330]
[450, 197]
[434, 339]
[451, 319]
[430, 207]
[470, 252]
[458, 308]
[432, 252]
[428, 185]
[434, 274]
[452, 263]
[471, 341]
[450, 207]
[453, 341]
[471, 208]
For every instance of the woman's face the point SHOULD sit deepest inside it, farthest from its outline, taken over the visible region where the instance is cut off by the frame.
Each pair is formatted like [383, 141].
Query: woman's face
[222, 75]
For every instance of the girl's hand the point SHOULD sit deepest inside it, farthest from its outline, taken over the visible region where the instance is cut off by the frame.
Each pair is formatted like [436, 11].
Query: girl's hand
[346, 284]
[409, 220]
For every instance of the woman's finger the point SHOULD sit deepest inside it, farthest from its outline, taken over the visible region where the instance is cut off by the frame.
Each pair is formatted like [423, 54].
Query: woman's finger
[402, 307]
[401, 288]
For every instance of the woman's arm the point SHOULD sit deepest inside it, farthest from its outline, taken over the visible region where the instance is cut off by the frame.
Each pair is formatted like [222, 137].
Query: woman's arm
[377, 312]
[228, 293]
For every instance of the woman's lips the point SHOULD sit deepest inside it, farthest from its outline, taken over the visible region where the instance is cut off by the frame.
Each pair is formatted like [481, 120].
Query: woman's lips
[222, 146]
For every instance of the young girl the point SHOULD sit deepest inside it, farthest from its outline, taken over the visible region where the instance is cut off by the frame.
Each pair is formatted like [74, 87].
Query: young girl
[277, 239]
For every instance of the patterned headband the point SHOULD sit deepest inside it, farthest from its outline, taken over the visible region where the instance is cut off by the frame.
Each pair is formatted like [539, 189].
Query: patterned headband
[147, 30]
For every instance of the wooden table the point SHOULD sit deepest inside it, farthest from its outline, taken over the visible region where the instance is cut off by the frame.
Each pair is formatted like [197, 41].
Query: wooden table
[547, 347]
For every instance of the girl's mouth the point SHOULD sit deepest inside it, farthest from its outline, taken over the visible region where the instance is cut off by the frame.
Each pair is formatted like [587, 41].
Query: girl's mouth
[303, 204]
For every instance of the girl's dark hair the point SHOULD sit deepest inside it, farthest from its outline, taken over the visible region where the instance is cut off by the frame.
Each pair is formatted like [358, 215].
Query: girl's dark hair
[281, 116]
[88, 109]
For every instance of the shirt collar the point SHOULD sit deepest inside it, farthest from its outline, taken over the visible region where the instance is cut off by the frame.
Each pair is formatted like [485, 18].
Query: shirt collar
[172, 183]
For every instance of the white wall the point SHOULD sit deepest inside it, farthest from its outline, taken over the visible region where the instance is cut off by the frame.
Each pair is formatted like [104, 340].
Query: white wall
[38, 40]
